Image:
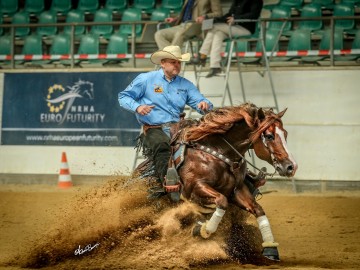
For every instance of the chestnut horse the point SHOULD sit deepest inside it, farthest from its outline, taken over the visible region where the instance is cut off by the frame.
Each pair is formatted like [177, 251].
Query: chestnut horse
[213, 169]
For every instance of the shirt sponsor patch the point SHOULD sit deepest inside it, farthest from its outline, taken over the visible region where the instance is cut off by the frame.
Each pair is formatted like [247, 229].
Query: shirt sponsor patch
[158, 89]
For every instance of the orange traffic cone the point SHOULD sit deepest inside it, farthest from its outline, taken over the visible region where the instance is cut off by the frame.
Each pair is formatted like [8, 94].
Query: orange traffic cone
[64, 174]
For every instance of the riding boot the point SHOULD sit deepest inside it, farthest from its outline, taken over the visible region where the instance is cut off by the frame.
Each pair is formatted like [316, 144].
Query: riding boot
[172, 184]
[254, 181]
[259, 179]
[253, 190]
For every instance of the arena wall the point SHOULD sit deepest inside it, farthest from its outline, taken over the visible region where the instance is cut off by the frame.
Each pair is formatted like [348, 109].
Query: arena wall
[323, 122]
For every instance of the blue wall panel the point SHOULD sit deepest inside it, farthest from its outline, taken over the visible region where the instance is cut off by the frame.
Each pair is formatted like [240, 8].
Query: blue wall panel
[67, 109]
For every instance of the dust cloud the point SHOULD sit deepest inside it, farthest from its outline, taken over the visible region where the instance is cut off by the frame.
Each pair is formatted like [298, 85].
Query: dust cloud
[115, 226]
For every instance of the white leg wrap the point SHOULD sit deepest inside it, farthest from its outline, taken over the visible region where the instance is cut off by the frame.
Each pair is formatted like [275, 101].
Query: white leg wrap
[213, 223]
[267, 236]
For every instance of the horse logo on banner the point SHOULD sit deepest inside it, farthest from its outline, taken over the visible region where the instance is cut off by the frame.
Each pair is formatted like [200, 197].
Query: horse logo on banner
[81, 89]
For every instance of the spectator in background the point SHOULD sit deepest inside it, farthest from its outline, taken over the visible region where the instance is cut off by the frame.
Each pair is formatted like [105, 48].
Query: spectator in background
[188, 24]
[212, 45]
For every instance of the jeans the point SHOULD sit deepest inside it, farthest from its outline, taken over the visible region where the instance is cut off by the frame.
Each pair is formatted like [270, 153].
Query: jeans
[159, 143]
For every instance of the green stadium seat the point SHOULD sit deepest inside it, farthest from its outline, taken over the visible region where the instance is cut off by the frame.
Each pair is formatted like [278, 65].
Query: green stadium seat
[272, 37]
[117, 6]
[75, 16]
[118, 44]
[242, 46]
[8, 7]
[145, 5]
[354, 46]
[21, 17]
[351, 2]
[102, 15]
[131, 14]
[271, 41]
[291, 3]
[89, 44]
[280, 12]
[34, 6]
[172, 5]
[325, 44]
[325, 4]
[300, 40]
[45, 17]
[5, 45]
[1, 29]
[160, 14]
[88, 6]
[61, 6]
[311, 10]
[344, 10]
[61, 45]
[338, 40]
[326, 37]
[356, 43]
[33, 46]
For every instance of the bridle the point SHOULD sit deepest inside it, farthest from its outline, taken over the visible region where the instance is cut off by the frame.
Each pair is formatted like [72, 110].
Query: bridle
[247, 161]
[273, 158]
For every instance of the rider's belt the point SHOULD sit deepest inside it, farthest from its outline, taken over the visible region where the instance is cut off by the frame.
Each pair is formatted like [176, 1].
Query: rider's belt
[146, 127]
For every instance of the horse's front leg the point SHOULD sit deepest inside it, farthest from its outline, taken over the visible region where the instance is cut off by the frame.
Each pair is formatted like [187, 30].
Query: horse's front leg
[207, 196]
[245, 200]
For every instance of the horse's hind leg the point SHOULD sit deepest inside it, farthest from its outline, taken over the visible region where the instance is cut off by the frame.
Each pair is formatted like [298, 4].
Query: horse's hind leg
[208, 196]
[244, 199]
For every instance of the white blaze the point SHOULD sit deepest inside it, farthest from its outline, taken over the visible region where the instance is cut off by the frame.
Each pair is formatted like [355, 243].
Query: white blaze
[279, 132]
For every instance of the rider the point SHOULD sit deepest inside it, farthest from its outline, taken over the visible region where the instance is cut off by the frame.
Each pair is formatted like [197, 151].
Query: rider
[158, 98]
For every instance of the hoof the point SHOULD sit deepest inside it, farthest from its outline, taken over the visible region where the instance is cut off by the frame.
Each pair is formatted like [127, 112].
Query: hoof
[200, 230]
[271, 253]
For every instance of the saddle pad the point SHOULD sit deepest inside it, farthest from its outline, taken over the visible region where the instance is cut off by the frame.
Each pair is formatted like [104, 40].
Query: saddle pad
[179, 156]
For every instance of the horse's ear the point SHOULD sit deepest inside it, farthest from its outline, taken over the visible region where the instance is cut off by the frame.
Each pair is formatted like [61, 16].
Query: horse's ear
[261, 114]
[280, 114]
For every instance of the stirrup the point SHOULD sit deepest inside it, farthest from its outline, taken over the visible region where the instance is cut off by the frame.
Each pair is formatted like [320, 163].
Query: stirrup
[172, 184]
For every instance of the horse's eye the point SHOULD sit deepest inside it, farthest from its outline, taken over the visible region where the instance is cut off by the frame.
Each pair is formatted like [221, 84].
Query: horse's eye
[269, 137]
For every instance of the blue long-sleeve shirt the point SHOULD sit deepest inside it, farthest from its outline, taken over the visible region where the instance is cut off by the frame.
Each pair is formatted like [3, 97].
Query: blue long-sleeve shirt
[169, 98]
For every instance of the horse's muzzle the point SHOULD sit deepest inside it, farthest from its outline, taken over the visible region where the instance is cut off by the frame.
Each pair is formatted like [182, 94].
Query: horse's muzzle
[287, 168]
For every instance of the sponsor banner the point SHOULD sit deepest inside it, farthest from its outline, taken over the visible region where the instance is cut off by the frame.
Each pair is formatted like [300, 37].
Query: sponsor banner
[79, 109]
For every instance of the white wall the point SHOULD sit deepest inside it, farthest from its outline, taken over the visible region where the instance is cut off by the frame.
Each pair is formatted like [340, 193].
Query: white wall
[322, 121]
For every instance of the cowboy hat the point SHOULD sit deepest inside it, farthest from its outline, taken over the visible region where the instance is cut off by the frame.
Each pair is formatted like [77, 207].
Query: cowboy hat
[169, 52]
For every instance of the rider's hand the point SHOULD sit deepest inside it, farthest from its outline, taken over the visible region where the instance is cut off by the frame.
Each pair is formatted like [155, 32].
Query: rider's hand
[204, 106]
[144, 109]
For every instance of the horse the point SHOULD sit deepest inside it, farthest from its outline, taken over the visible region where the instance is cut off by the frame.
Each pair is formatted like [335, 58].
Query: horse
[213, 170]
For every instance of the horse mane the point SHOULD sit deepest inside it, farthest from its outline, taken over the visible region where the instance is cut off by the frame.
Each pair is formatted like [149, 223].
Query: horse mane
[221, 120]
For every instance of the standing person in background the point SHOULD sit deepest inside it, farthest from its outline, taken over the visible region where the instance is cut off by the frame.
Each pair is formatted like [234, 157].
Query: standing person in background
[212, 45]
[188, 24]
[158, 98]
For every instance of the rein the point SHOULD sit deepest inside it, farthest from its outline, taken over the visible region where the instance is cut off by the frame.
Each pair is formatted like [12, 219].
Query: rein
[243, 158]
